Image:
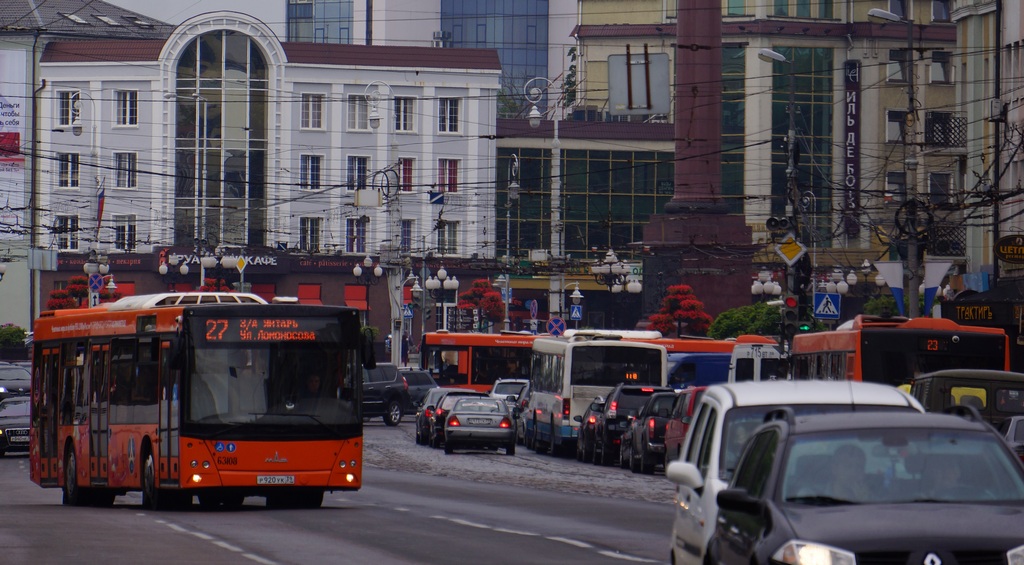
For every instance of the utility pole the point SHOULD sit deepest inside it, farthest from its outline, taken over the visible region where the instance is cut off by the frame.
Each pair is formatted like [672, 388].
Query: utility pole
[910, 157]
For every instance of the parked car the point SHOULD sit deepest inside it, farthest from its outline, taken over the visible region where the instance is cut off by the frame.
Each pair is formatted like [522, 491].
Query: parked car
[425, 414]
[679, 422]
[585, 439]
[444, 404]
[854, 487]
[504, 388]
[385, 394]
[14, 380]
[480, 423]
[643, 445]
[1012, 430]
[419, 382]
[723, 421]
[621, 403]
[997, 395]
[14, 424]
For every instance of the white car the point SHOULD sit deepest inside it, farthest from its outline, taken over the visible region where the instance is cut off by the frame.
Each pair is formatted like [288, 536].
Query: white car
[504, 388]
[722, 422]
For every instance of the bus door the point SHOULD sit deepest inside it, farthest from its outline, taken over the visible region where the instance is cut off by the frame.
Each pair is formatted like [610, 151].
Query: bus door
[99, 413]
[45, 405]
[168, 406]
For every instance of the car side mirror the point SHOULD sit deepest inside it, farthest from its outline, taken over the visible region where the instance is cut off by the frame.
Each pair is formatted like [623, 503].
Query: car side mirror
[737, 500]
[578, 418]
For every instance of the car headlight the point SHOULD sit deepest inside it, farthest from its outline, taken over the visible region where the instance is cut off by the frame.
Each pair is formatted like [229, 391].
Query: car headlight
[1015, 556]
[796, 552]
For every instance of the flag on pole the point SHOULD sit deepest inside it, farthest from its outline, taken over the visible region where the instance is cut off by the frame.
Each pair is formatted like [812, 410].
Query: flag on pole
[101, 198]
[892, 272]
[934, 272]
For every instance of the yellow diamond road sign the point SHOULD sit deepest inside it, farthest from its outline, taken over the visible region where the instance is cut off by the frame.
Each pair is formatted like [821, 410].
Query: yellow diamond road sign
[240, 264]
[790, 249]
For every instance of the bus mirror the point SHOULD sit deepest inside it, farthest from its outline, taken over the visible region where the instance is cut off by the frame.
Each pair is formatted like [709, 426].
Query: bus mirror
[176, 356]
[366, 351]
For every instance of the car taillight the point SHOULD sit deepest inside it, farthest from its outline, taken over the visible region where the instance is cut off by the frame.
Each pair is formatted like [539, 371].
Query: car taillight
[439, 413]
[565, 407]
[647, 390]
[454, 421]
[612, 407]
[428, 413]
[592, 419]
[405, 384]
[505, 423]
[650, 428]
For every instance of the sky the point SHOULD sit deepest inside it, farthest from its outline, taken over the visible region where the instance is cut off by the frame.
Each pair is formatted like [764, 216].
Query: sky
[271, 12]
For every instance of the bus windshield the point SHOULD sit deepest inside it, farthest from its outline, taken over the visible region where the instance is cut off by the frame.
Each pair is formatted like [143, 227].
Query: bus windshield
[292, 379]
[609, 366]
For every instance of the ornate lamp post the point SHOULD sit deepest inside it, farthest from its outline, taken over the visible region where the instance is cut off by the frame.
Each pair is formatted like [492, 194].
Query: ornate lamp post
[614, 274]
[438, 287]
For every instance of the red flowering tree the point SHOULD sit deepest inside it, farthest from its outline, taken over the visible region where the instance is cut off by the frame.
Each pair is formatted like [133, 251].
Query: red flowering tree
[215, 285]
[681, 312]
[76, 295]
[483, 296]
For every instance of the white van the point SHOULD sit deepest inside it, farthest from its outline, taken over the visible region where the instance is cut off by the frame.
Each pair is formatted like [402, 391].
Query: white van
[722, 422]
[756, 360]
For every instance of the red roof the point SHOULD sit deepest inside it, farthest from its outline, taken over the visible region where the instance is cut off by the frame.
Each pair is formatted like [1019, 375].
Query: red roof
[102, 50]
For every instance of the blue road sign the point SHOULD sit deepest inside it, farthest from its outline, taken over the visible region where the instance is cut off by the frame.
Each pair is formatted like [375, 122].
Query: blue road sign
[95, 282]
[407, 310]
[826, 305]
[576, 312]
[556, 326]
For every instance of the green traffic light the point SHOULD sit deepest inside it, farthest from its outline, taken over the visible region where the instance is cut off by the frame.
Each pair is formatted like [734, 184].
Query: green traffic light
[805, 327]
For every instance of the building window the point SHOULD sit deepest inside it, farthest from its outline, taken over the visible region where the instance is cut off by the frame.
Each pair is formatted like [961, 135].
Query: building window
[894, 121]
[309, 235]
[406, 237]
[358, 171]
[941, 67]
[125, 232]
[309, 172]
[447, 175]
[895, 187]
[69, 110]
[312, 111]
[404, 108]
[127, 165]
[900, 65]
[355, 234]
[405, 168]
[448, 115]
[358, 112]
[940, 188]
[803, 8]
[898, 7]
[940, 10]
[448, 238]
[736, 7]
[127, 107]
[781, 8]
[66, 230]
[67, 170]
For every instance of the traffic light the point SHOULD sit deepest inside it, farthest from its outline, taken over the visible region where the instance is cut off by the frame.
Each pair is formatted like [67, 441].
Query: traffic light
[790, 316]
[805, 313]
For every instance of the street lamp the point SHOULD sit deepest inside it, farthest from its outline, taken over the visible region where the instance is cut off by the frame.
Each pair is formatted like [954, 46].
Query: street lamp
[96, 264]
[438, 287]
[614, 274]
[504, 282]
[909, 157]
[534, 94]
[513, 195]
[372, 272]
[765, 285]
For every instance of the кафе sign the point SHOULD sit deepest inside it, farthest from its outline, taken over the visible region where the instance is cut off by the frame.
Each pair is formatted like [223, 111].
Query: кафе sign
[1010, 248]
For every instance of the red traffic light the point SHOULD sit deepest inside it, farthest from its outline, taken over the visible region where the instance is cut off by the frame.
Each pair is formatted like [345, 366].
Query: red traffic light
[791, 302]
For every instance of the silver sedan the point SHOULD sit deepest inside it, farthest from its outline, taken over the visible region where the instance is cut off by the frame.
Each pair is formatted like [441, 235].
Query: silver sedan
[480, 423]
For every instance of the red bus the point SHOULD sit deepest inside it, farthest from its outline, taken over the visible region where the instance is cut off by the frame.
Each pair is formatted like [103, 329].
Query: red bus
[476, 360]
[197, 394]
[895, 350]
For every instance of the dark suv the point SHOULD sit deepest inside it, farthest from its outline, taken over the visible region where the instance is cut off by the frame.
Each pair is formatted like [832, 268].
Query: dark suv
[385, 393]
[622, 402]
[419, 382]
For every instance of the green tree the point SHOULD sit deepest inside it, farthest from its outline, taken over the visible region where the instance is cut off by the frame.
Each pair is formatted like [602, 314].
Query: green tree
[12, 335]
[681, 311]
[757, 319]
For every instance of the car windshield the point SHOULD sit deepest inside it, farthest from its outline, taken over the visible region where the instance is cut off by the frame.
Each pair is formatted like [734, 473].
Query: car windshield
[15, 374]
[478, 405]
[9, 409]
[505, 389]
[900, 466]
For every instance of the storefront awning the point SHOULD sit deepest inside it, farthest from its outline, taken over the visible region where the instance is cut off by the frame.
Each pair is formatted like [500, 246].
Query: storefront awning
[356, 296]
[309, 294]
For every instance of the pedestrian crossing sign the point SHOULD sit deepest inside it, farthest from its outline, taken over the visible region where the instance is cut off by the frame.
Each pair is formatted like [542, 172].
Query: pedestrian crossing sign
[826, 305]
[575, 312]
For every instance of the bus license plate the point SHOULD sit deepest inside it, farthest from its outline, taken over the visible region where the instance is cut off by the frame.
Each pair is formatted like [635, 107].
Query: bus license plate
[275, 479]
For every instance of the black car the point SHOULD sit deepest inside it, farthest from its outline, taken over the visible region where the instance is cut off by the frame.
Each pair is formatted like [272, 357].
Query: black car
[14, 380]
[643, 445]
[385, 394]
[861, 487]
[621, 403]
[585, 438]
[14, 424]
[419, 382]
[425, 414]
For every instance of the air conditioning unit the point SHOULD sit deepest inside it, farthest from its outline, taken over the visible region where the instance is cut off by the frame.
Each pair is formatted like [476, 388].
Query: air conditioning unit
[997, 111]
[442, 39]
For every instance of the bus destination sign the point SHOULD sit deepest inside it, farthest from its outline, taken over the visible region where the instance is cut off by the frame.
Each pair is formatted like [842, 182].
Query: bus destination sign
[257, 330]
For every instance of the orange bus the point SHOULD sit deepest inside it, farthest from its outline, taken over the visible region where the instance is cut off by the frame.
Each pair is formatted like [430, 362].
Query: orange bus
[895, 350]
[476, 360]
[197, 394]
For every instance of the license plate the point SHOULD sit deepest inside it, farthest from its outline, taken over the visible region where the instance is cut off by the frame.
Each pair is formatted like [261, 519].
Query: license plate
[19, 439]
[275, 479]
[479, 421]
[17, 436]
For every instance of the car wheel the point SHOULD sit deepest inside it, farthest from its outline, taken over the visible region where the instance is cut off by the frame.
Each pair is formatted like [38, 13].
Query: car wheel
[634, 465]
[645, 464]
[449, 448]
[588, 451]
[435, 441]
[511, 449]
[393, 415]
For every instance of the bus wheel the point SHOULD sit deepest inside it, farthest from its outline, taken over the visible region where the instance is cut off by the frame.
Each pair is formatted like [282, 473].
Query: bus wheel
[554, 446]
[151, 497]
[73, 494]
[393, 415]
